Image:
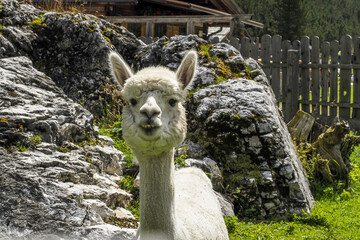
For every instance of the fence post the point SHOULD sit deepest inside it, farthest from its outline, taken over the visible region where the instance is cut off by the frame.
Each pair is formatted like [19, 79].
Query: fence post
[325, 76]
[285, 46]
[275, 70]
[255, 49]
[245, 47]
[315, 74]
[345, 76]
[305, 76]
[356, 110]
[292, 83]
[265, 54]
[334, 49]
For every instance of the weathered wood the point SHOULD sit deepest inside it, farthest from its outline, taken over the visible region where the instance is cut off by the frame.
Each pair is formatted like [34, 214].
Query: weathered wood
[285, 46]
[255, 49]
[175, 19]
[345, 77]
[315, 74]
[245, 51]
[334, 49]
[275, 71]
[325, 77]
[292, 83]
[301, 125]
[235, 42]
[330, 164]
[149, 29]
[266, 53]
[305, 73]
[190, 27]
[296, 45]
[356, 82]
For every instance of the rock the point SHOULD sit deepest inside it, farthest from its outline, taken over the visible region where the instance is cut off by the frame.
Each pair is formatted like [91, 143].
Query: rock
[71, 48]
[57, 179]
[239, 125]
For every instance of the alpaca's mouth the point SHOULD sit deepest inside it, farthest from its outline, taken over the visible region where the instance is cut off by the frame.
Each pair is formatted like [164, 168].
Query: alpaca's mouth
[149, 129]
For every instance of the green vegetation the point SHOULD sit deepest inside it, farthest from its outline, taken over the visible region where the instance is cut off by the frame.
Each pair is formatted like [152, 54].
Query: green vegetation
[327, 19]
[180, 160]
[21, 148]
[335, 215]
[35, 140]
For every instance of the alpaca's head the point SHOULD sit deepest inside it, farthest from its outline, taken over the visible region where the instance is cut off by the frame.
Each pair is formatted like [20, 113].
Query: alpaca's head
[153, 118]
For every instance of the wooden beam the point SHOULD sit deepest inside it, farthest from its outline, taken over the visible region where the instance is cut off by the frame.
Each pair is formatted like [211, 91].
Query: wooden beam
[175, 19]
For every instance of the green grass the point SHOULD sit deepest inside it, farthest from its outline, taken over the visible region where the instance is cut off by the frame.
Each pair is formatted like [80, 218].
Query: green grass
[335, 216]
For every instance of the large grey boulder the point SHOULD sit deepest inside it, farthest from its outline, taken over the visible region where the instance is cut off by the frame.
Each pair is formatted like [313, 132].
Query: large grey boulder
[70, 48]
[58, 179]
[239, 125]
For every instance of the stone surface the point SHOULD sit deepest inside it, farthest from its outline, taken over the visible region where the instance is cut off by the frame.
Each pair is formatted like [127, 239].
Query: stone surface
[70, 48]
[239, 125]
[56, 176]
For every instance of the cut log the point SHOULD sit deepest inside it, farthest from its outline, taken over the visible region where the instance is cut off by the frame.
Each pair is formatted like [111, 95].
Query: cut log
[300, 126]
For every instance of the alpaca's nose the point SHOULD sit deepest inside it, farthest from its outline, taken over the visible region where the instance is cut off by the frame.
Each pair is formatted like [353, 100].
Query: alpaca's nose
[150, 108]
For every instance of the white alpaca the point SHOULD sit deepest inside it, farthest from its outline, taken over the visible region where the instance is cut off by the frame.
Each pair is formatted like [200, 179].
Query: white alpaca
[173, 205]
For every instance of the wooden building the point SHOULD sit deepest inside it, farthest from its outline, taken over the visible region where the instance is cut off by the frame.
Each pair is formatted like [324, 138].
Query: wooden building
[155, 18]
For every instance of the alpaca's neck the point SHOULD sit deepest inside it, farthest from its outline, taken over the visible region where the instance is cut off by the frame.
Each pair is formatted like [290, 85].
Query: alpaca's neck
[157, 215]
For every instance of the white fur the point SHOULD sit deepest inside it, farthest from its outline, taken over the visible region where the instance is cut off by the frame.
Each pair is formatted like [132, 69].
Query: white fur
[181, 205]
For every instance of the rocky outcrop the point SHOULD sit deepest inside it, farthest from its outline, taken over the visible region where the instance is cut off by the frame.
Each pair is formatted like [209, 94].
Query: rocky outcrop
[239, 125]
[72, 49]
[57, 177]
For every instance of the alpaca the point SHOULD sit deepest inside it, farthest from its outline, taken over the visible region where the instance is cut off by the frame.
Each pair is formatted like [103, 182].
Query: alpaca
[177, 205]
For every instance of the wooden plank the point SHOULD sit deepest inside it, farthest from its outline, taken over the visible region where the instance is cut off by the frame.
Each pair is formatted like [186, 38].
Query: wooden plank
[275, 71]
[325, 77]
[305, 75]
[190, 27]
[315, 74]
[356, 82]
[334, 49]
[245, 50]
[345, 77]
[265, 54]
[285, 46]
[149, 29]
[292, 83]
[296, 45]
[255, 49]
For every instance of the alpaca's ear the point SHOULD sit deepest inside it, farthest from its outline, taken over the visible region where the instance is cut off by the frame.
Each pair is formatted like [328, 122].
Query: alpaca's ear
[186, 71]
[119, 68]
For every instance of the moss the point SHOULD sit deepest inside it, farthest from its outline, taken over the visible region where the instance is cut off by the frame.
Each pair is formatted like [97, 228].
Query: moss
[122, 222]
[39, 21]
[63, 149]
[21, 148]
[236, 170]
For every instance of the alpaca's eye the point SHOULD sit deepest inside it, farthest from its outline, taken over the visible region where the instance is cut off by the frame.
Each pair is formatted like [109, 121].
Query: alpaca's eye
[133, 102]
[172, 102]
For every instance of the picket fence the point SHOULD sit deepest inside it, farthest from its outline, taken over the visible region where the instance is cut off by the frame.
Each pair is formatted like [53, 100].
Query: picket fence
[320, 78]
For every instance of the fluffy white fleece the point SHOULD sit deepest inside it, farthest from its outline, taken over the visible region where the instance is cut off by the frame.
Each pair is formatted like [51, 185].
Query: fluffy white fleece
[173, 205]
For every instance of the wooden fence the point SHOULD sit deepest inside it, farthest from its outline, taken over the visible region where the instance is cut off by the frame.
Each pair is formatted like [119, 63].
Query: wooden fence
[319, 78]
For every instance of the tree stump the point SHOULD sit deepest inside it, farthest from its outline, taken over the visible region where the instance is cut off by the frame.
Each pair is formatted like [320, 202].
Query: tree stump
[330, 152]
[331, 164]
[300, 126]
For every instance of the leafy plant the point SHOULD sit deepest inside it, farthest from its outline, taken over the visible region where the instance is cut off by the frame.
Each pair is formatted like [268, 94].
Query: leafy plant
[35, 140]
[180, 160]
